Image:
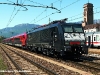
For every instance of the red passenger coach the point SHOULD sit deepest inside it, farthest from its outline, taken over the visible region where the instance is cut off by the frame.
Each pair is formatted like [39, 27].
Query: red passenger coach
[20, 40]
[8, 41]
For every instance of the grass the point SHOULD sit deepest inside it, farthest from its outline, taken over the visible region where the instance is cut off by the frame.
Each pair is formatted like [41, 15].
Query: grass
[3, 67]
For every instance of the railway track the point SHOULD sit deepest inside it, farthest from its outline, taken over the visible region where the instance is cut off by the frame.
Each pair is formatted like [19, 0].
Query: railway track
[11, 67]
[91, 63]
[88, 66]
[59, 68]
[24, 65]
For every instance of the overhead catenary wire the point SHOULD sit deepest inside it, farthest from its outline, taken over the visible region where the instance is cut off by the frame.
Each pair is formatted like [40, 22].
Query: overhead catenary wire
[36, 3]
[57, 11]
[24, 6]
[71, 16]
[10, 1]
[43, 7]
[70, 4]
[16, 5]
[83, 16]
[42, 11]
[11, 16]
[80, 14]
[60, 3]
[10, 20]
[51, 13]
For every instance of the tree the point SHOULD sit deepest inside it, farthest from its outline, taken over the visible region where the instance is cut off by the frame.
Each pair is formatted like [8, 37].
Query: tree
[1, 38]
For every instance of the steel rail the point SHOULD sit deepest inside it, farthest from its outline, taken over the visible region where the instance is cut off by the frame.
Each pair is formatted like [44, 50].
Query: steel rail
[36, 64]
[15, 64]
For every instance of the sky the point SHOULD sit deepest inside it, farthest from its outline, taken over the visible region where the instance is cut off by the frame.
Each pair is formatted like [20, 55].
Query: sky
[71, 9]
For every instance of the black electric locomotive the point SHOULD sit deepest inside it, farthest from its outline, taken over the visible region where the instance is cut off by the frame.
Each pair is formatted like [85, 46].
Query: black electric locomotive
[58, 38]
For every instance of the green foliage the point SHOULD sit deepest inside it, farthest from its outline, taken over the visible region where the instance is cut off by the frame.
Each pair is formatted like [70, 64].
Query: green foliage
[1, 38]
[3, 67]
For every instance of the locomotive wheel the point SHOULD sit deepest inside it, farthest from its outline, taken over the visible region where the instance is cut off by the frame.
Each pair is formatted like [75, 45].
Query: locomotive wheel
[57, 55]
[62, 53]
[51, 52]
[34, 49]
[47, 52]
[44, 51]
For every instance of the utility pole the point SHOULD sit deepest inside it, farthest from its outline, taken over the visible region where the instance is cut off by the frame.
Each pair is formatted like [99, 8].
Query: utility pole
[49, 20]
[17, 1]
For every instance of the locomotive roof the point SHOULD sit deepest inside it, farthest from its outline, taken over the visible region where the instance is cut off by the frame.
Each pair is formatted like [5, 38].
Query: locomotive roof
[51, 25]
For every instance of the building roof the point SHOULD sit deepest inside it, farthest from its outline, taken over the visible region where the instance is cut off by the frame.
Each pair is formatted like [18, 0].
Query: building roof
[91, 26]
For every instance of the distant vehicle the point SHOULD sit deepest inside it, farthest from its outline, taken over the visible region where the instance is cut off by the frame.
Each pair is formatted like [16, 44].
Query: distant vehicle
[56, 38]
[93, 39]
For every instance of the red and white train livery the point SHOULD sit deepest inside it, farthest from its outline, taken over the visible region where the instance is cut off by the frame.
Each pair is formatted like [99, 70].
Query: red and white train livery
[93, 39]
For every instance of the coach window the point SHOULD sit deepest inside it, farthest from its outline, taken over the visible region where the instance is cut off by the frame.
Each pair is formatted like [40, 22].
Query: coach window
[97, 37]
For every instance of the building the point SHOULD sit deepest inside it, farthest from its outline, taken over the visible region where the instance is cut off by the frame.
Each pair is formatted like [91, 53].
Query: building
[88, 14]
[92, 28]
[88, 24]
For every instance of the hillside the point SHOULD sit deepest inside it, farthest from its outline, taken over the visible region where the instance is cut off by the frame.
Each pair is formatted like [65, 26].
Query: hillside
[17, 29]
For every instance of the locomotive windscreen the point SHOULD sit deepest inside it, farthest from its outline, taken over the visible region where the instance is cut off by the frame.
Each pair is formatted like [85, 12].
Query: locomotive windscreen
[67, 28]
[77, 28]
[72, 28]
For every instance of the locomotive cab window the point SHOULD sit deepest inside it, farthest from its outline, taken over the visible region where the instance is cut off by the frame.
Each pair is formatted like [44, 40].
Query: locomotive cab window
[77, 28]
[67, 28]
[72, 28]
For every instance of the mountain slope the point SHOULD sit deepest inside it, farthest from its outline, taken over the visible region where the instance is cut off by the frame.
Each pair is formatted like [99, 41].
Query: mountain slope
[17, 29]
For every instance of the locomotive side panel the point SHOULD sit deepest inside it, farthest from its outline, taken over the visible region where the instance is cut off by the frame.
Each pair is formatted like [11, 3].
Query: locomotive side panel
[46, 38]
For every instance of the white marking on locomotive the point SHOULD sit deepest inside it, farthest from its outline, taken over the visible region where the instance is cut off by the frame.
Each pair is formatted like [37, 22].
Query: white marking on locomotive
[74, 36]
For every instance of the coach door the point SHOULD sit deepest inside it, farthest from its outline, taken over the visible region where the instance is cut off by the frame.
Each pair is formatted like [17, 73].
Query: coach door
[89, 41]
